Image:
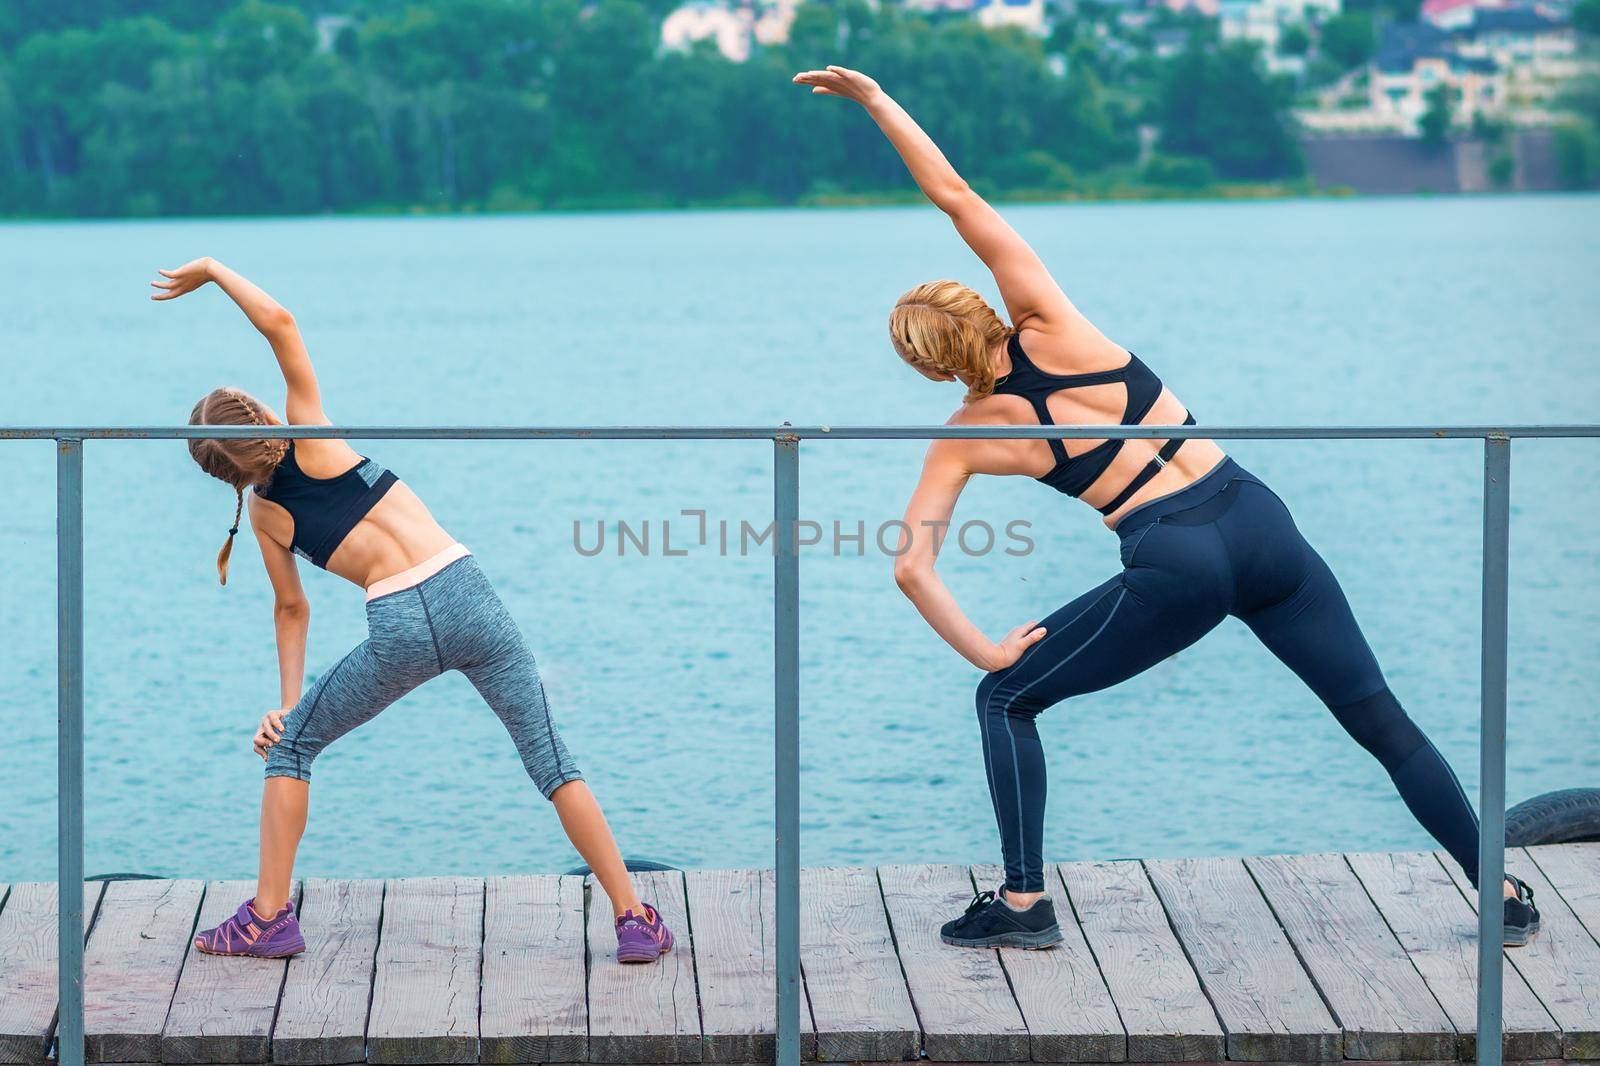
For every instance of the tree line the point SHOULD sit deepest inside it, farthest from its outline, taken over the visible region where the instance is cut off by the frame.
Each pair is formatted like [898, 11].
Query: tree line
[168, 107]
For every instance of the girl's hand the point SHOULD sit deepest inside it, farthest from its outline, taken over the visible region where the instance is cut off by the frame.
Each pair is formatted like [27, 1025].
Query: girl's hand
[270, 731]
[841, 81]
[1019, 640]
[183, 280]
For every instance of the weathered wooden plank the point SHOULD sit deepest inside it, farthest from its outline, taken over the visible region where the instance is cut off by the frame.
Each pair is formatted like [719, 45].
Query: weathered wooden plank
[857, 992]
[1268, 1004]
[1155, 989]
[534, 997]
[963, 1001]
[1063, 996]
[322, 1017]
[28, 967]
[643, 1013]
[1366, 977]
[1440, 932]
[224, 1006]
[1573, 870]
[131, 966]
[734, 913]
[1562, 965]
[425, 982]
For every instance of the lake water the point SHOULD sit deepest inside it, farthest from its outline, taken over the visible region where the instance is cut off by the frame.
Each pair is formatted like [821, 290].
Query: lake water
[1375, 311]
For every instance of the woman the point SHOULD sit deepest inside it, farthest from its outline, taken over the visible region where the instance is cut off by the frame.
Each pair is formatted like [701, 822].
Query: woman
[429, 609]
[1201, 539]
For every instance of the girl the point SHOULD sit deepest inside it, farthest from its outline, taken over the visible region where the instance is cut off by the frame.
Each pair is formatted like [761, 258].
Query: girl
[429, 609]
[1201, 539]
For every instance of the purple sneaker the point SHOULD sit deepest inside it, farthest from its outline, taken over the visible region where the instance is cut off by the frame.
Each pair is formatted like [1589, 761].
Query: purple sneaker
[247, 933]
[642, 938]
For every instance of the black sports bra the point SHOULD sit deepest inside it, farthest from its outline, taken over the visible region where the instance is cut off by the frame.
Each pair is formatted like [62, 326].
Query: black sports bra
[1073, 474]
[325, 509]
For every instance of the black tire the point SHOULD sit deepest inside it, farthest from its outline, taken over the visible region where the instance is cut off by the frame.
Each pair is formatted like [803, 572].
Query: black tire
[1564, 817]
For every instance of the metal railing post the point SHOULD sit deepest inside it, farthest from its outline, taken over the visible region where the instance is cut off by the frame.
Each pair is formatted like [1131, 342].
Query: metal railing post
[786, 739]
[1492, 732]
[69, 746]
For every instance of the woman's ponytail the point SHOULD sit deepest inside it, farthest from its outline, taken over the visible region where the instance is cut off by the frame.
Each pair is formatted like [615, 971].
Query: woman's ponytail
[233, 531]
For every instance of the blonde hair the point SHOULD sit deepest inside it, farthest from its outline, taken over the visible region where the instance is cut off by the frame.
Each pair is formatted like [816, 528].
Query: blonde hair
[241, 463]
[945, 327]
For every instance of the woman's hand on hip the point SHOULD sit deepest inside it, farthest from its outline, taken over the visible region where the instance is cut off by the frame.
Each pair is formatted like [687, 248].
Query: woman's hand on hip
[183, 280]
[1011, 647]
[841, 81]
[270, 731]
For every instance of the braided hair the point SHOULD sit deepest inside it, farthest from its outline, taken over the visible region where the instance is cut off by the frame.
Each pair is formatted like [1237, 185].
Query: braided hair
[240, 463]
[945, 327]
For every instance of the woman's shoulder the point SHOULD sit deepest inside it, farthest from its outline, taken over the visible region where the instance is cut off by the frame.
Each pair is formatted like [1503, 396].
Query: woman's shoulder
[1072, 348]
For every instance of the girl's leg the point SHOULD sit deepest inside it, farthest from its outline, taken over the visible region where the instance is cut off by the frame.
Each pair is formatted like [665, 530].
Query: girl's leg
[508, 680]
[1104, 637]
[352, 692]
[283, 820]
[586, 827]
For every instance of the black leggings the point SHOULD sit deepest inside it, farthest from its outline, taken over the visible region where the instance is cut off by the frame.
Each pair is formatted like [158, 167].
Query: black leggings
[1224, 545]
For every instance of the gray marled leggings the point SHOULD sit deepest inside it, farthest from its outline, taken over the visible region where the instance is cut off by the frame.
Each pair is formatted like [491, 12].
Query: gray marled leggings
[451, 621]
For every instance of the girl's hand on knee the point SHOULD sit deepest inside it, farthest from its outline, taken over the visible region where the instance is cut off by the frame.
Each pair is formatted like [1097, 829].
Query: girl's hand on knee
[1019, 640]
[270, 731]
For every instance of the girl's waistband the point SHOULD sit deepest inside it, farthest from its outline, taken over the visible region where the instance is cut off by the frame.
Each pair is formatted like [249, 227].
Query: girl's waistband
[1193, 494]
[416, 575]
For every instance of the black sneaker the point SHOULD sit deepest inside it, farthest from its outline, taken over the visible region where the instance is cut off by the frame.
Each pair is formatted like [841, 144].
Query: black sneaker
[993, 923]
[1522, 917]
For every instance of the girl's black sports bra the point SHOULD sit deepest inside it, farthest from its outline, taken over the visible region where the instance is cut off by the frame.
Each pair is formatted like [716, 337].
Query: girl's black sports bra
[325, 509]
[1073, 474]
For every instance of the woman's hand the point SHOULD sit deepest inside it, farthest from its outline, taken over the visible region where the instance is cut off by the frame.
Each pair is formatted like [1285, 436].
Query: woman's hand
[1019, 640]
[841, 81]
[183, 280]
[270, 731]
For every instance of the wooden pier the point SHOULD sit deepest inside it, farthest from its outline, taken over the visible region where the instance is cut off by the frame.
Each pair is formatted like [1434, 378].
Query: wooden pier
[1305, 958]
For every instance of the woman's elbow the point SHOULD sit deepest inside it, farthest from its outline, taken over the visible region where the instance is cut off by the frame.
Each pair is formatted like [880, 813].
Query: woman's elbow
[911, 574]
[957, 198]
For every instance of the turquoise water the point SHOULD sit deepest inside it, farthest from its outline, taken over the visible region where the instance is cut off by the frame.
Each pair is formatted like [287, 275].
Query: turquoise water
[1466, 310]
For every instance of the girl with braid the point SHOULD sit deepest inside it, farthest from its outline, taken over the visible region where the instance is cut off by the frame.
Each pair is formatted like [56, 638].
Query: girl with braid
[429, 609]
[1201, 539]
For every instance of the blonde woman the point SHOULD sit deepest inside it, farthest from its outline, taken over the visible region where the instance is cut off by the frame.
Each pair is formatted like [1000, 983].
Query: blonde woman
[1201, 539]
[429, 609]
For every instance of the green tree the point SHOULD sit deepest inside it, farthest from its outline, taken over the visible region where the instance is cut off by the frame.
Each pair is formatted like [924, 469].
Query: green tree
[1586, 17]
[1295, 40]
[256, 39]
[1348, 38]
[1439, 116]
[1216, 104]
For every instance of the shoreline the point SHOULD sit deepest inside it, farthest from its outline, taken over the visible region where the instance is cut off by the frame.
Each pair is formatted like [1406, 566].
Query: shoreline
[1265, 192]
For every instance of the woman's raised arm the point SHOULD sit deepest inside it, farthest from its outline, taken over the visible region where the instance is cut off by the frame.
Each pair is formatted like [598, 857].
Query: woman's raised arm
[272, 319]
[1029, 291]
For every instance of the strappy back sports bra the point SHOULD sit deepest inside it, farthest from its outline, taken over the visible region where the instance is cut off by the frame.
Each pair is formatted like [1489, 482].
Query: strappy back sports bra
[1073, 474]
[325, 509]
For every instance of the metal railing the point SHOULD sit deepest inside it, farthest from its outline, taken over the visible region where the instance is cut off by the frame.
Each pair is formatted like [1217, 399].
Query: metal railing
[786, 635]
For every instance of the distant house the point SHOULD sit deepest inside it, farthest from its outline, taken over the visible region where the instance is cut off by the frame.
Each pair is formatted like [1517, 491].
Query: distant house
[1415, 58]
[704, 20]
[1450, 14]
[1208, 8]
[1263, 21]
[733, 27]
[1027, 14]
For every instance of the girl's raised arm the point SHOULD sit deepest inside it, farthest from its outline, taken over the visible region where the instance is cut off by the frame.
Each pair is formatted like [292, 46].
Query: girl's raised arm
[272, 319]
[1031, 295]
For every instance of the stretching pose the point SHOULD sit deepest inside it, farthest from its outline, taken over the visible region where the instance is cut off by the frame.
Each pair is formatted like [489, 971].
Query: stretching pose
[429, 609]
[1201, 537]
